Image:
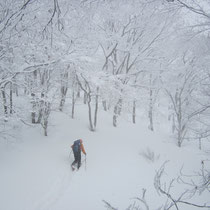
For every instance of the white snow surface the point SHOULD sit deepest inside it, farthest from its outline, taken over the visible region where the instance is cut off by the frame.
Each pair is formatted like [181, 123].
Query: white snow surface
[35, 173]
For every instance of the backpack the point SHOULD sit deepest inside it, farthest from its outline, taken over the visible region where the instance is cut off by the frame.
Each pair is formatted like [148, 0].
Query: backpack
[76, 146]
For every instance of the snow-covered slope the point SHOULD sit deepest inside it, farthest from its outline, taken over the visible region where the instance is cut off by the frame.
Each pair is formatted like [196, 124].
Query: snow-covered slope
[36, 175]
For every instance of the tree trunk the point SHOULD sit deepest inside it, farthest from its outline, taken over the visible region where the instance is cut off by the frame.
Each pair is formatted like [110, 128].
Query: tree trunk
[119, 106]
[179, 139]
[33, 112]
[27, 87]
[45, 128]
[62, 100]
[40, 116]
[90, 112]
[104, 105]
[115, 116]
[64, 89]
[16, 90]
[151, 126]
[134, 112]
[173, 123]
[96, 109]
[46, 114]
[63, 97]
[85, 98]
[151, 121]
[179, 120]
[200, 146]
[73, 104]
[117, 112]
[4, 103]
[15, 87]
[11, 98]
[78, 92]
[41, 104]
[179, 130]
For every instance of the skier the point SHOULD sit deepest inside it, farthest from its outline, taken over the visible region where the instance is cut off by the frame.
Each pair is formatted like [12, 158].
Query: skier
[77, 147]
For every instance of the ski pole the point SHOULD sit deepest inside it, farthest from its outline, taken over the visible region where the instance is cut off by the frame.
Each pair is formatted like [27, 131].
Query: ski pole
[70, 154]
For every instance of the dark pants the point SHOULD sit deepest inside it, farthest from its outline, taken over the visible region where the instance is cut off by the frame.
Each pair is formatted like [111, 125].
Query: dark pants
[77, 158]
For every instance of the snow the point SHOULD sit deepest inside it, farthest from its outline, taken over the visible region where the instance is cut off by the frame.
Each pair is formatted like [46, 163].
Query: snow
[36, 174]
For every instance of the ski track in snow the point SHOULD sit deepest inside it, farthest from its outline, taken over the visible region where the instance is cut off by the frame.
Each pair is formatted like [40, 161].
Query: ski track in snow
[56, 191]
[58, 188]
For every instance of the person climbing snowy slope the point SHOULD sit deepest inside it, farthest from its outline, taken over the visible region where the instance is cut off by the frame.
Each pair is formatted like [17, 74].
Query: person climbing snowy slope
[77, 147]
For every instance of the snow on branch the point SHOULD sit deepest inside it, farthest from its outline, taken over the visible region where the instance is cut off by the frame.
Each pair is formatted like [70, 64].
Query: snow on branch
[14, 15]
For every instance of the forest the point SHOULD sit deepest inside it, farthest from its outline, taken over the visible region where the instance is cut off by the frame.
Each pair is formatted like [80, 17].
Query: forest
[143, 60]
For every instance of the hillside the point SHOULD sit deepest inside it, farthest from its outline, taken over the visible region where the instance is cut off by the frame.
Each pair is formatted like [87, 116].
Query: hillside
[36, 173]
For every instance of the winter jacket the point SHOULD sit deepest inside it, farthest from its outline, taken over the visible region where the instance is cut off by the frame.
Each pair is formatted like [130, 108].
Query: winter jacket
[81, 147]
